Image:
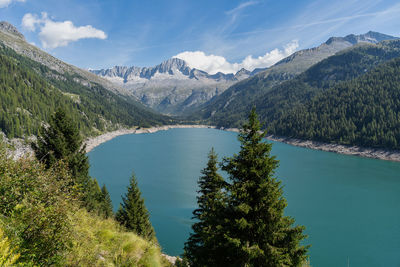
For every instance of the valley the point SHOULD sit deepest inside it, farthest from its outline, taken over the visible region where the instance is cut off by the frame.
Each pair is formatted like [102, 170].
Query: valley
[199, 133]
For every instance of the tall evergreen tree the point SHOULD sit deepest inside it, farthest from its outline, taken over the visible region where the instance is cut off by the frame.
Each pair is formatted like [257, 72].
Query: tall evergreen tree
[61, 141]
[107, 208]
[133, 214]
[259, 234]
[205, 244]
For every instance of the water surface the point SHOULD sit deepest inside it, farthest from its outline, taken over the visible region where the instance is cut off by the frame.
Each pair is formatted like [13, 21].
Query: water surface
[349, 205]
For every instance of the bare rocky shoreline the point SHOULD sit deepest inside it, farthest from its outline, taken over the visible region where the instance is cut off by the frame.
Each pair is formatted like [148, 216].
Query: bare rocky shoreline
[382, 154]
[21, 149]
[98, 140]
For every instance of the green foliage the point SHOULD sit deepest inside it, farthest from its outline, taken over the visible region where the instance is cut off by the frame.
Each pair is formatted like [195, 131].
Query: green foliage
[205, 244]
[61, 141]
[107, 208]
[364, 112]
[133, 214]
[259, 233]
[31, 93]
[243, 223]
[100, 242]
[349, 98]
[35, 204]
[8, 256]
[44, 225]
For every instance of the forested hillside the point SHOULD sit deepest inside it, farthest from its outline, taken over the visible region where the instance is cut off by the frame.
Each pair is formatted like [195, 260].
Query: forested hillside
[337, 100]
[345, 65]
[30, 92]
[232, 106]
[363, 111]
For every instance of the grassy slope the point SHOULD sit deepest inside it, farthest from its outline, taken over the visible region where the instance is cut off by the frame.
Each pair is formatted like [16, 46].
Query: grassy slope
[41, 223]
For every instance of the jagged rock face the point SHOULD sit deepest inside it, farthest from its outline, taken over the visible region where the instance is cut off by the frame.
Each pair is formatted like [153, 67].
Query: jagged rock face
[301, 60]
[369, 37]
[8, 28]
[172, 86]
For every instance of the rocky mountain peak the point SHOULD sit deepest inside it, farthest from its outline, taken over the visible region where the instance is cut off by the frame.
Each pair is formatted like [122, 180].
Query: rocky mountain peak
[10, 29]
[243, 71]
[369, 37]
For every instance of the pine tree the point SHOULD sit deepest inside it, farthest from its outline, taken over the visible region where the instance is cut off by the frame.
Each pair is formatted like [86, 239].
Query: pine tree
[93, 197]
[133, 214]
[259, 234]
[61, 141]
[107, 208]
[205, 244]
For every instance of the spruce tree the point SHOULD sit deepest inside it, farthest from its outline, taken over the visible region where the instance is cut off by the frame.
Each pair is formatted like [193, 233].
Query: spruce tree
[60, 140]
[133, 214]
[205, 244]
[107, 209]
[259, 234]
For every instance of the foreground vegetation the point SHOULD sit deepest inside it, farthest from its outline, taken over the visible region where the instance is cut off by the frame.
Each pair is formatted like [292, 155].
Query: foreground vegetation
[52, 213]
[43, 223]
[241, 222]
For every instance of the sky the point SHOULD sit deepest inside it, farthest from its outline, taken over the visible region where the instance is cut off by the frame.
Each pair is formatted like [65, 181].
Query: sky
[211, 35]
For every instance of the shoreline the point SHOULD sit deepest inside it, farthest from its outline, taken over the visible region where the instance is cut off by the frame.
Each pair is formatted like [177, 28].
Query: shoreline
[365, 152]
[382, 154]
[93, 142]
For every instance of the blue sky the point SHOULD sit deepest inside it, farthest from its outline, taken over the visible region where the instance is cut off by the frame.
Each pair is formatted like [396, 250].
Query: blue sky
[144, 33]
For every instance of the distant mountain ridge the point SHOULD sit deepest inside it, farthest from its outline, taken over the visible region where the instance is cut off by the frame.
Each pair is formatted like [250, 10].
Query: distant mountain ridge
[172, 86]
[350, 98]
[369, 37]
[10, 29]
[239, 97]
[173, 67]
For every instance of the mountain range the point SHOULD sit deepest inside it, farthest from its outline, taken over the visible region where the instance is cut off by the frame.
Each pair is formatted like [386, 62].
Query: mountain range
[235, 99]
[172, 86]
[344, 91]
[350, 98]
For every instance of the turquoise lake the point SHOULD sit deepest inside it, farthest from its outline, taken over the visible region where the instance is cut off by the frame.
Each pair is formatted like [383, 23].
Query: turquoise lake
[349, 205]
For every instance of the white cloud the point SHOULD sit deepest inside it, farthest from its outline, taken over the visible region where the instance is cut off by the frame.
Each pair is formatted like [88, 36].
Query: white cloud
[213, 64]
[29, 21]
[6, 3]
[56, 34]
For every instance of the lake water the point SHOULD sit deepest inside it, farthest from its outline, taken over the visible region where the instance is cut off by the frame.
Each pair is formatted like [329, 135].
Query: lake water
[349, 205]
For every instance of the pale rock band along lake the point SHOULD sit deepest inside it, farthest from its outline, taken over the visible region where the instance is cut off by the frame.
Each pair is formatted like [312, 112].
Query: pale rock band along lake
[349, 205]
